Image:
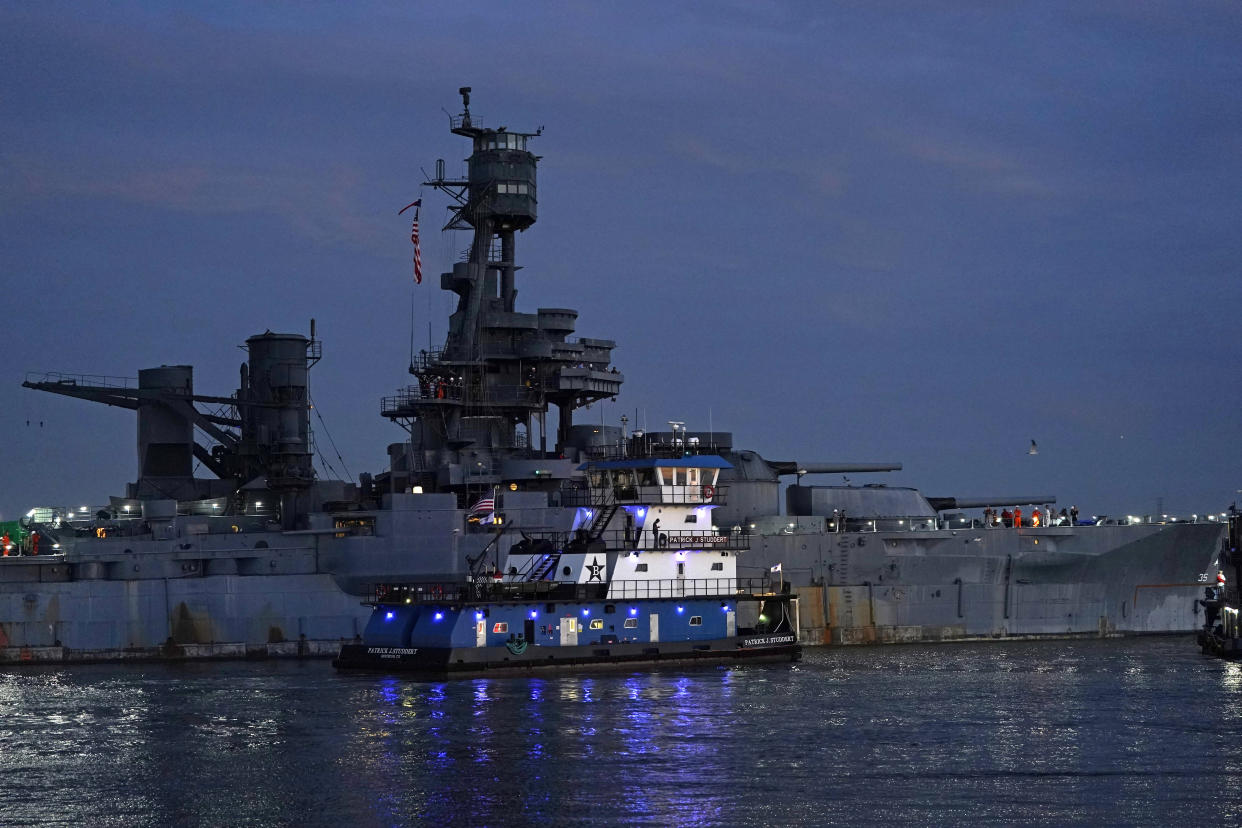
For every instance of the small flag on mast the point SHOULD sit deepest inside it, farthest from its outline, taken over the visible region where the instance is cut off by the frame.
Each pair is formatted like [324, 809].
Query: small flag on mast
[776, 568]
[483, 511]
[418, 258]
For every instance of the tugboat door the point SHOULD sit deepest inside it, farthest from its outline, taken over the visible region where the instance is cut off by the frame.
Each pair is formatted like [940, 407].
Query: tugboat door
[655, 627]
[569, 632]
[530, 630]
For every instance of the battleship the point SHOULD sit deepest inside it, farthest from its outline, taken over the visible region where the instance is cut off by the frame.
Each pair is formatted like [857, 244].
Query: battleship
[264, 558]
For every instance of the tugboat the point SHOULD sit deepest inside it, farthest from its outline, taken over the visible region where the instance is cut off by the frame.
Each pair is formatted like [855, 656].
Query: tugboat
[1221, 633]
[642, 577]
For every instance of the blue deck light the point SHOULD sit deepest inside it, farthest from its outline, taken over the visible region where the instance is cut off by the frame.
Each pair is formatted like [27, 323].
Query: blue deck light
[680, 610]
[586, 611]
[633, 610]
[478, 616]
[388, 616]
[439, 616]
[534, 613]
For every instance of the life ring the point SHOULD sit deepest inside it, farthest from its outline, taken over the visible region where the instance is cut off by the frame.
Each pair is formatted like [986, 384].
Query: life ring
[708, 492]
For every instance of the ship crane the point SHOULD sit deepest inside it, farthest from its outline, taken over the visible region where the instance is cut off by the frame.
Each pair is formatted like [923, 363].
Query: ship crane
[263, 442]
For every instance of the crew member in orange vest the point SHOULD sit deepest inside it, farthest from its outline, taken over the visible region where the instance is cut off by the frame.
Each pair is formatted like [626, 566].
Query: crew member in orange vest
[4, 544]
[1035, 517]
[34, 543]
[1017, 517]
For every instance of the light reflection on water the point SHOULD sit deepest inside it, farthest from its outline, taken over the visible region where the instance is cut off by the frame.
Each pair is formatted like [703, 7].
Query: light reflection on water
[1086, 732]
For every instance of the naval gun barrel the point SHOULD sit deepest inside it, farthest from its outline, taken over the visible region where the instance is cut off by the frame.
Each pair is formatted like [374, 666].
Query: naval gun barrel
[942, 503]
[794, 467]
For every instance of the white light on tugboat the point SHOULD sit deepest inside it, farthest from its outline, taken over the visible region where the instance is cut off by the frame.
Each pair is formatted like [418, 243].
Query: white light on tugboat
[82, 509]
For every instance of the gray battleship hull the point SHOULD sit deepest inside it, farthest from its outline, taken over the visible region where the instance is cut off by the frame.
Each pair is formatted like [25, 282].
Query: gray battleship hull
[299, 593]
[962, 584]
[156, 604]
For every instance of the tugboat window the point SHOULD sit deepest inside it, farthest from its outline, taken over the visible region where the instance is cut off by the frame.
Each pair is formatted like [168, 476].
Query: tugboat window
[565, 570]
[696, 620]
[717, 567]
[500, 627]
[640, 567]
[692, 518]
[597, 624]
[631, 623]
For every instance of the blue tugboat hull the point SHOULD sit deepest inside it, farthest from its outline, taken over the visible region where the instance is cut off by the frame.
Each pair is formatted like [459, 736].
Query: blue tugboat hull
[441, 662]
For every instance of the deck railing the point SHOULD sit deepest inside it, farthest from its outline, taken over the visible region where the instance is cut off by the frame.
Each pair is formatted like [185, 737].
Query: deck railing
[486, 590]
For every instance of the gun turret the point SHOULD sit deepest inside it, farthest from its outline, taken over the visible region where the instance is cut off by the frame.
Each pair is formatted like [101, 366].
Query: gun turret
[942, 503]
[794, 467]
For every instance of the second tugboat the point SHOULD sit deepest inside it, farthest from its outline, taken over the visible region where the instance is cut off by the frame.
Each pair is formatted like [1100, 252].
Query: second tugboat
[640, 578]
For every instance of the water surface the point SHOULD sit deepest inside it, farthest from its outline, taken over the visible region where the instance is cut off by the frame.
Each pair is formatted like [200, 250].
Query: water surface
[1138, 731]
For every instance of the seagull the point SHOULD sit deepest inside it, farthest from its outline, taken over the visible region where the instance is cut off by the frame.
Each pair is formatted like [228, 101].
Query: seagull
[1033, 449]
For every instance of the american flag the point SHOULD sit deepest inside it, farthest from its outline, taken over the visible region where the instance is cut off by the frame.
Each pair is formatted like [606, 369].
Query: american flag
[487, 504]
[418, 259]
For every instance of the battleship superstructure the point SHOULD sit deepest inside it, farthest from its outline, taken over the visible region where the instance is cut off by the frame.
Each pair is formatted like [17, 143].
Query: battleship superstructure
[265, 558]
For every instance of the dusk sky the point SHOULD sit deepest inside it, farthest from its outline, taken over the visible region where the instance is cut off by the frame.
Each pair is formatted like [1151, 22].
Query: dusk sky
[866, 231]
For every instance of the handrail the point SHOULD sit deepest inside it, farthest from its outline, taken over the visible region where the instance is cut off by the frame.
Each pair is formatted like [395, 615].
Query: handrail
[89, 380]
[643, 495]
[456, 592]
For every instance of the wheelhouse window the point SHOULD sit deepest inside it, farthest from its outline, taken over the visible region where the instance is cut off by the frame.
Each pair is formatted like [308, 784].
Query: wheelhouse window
[504, 141]
[696, 620]
[500, 627]
[597, 624]
[631, 623]
[642, 567]
[717, 567]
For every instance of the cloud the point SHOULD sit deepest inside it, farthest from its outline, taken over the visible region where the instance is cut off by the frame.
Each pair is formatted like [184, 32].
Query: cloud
[326, 207]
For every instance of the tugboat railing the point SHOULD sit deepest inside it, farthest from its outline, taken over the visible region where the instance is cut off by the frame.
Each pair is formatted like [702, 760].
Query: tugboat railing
[634, 540]
[490, 591]
[654, 495]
